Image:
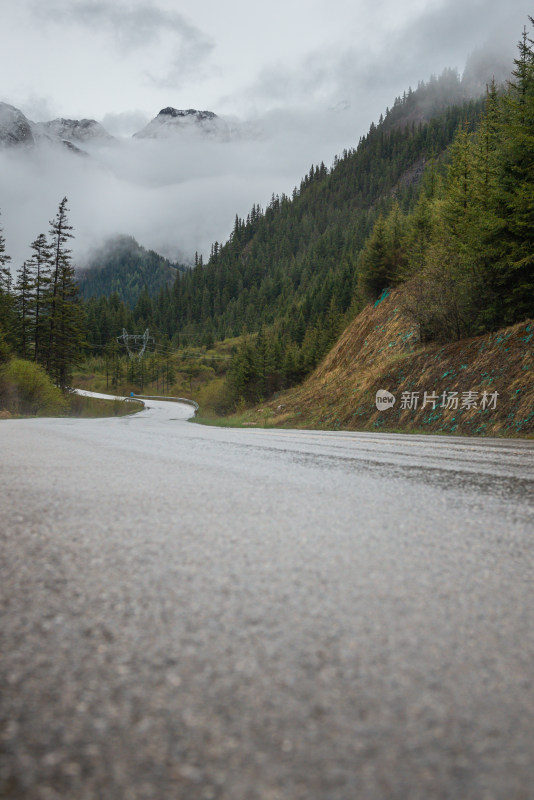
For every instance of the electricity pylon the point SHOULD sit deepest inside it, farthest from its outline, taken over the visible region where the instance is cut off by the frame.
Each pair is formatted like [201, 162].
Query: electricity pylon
[133, 340]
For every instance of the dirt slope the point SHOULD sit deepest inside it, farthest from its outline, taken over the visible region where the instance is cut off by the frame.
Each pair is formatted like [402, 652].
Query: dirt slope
[380, 350]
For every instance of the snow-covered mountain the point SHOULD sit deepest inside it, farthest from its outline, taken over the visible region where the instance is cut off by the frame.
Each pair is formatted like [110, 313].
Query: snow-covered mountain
[169, 186]
[173, 121]
[76, 130]
[170, 123]
[16, 130]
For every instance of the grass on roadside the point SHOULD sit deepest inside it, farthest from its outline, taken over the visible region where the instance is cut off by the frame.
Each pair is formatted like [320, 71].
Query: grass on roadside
[93, 407]
[246, 418]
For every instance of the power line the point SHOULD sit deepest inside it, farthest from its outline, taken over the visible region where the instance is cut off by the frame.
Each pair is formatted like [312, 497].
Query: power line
[159, 350]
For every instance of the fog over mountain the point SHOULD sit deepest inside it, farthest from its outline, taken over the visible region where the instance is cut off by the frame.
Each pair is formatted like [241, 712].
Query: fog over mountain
[177, 184]
[175, 191]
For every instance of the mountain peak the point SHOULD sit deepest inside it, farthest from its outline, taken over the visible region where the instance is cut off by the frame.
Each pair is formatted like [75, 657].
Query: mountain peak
[76, 130]
[15, 128]
[190, 112]
[171, 121]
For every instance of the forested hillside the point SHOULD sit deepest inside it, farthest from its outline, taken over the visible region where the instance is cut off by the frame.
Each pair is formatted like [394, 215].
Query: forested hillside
[464, 251]
[121, 265]
[291, 269]
[467, 247]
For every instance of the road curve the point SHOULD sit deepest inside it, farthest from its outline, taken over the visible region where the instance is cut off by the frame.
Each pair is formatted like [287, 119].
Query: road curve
[196, 613]
[159, 409]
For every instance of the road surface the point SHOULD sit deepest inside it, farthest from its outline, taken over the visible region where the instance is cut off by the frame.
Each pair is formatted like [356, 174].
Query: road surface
[193, 613]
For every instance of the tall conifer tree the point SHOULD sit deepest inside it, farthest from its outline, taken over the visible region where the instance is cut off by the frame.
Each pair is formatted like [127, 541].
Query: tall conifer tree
[24, 289]
[7, 315]
[5, 272]
[515, 206]
[40, 261]
[65, 313]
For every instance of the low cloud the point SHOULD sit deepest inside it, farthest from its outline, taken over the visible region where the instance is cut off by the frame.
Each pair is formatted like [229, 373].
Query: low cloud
[37, 108]
[176, 196]
[124, 123]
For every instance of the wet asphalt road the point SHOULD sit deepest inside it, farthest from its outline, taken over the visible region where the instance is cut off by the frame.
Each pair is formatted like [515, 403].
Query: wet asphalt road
[200, 613]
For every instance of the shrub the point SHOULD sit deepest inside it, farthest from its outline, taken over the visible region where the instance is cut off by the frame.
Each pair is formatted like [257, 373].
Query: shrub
[215, 396]
[25, 388]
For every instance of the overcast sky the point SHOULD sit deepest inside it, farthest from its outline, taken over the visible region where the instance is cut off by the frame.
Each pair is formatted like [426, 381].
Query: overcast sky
[97, 58]
[315, 73]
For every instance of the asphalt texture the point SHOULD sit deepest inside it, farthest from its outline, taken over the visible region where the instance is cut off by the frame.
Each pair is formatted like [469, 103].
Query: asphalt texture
[198, 613]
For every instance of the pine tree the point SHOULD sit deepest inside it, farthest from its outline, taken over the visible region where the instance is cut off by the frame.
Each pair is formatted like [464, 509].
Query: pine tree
[460, 181]
[481, 248]
[60, 233]
[418, 236]
[70, 330]
[7, 312]
[374, 263]
[395, 232]
[65, 334]
[40, 261]
[514, 206]
[452, 259]
[24, 295]
[5, 272]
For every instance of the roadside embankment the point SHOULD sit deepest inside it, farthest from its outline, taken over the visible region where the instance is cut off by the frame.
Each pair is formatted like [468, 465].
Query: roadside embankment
[481, 386]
